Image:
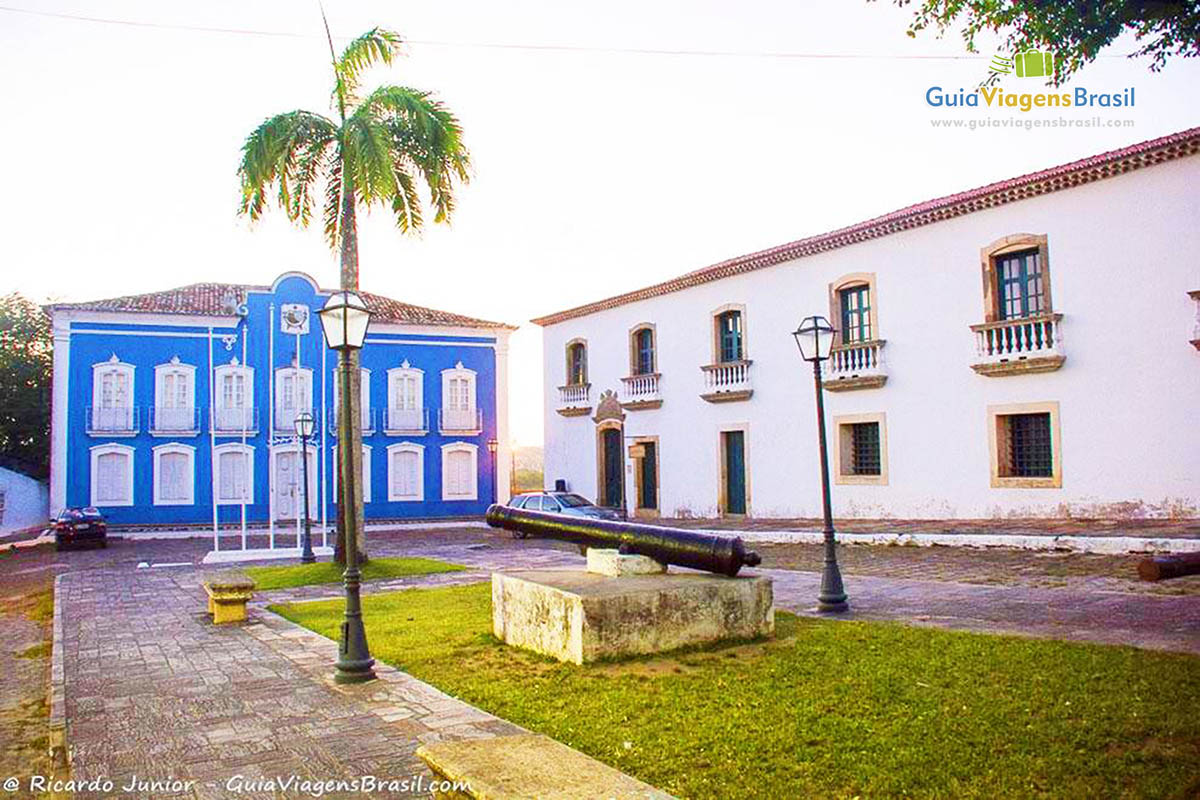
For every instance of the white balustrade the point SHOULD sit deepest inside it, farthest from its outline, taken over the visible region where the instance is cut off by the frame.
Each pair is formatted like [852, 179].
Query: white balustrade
[855, 360]
[640, 389]
[576, 395]
[732, 377]
[1017, 339]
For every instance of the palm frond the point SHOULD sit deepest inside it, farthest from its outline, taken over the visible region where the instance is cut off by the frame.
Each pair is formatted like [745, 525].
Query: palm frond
[333, 204]
[376, 46]
[281, 153]
[426, 138]
[406, 203]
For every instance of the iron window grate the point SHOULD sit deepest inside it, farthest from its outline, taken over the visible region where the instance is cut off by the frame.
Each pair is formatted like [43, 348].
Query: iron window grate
[864, 449]
[1030, 445]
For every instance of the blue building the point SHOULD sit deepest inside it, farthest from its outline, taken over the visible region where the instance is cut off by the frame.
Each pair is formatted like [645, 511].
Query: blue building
[176, 409]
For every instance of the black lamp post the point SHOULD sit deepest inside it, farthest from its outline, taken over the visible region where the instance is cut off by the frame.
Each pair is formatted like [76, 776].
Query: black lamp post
[304, 429]
[493, 445]
[814, 337]
[344, 320]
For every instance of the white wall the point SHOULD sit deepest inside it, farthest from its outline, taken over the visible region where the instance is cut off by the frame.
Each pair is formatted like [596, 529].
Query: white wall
[1122, 255]
[25, 501]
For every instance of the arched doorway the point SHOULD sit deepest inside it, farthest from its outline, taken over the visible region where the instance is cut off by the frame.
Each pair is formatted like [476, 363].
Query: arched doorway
[610, 455]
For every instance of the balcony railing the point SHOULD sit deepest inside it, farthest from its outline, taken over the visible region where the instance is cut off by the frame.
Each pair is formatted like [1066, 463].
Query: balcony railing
[285, 418]
[174, 421]
[460, 421]
[112, 421]
[727, 382]
[235, 420]
[368, 420]
[575, 399]
[411, 421]
[857, 365]
[1028, 344]
[641, 391]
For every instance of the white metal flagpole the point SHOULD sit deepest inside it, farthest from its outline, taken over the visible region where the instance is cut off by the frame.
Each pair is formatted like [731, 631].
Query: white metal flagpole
[302, 495]
[324, 478]
[271, 427]
[245, 483]
[212, 442]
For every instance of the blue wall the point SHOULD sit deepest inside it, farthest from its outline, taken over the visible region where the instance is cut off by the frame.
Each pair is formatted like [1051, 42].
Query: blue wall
[147, 345]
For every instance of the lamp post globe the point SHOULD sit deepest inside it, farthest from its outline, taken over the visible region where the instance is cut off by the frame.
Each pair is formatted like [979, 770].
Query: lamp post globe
[344, 320]
[814, 337]
[304, 430]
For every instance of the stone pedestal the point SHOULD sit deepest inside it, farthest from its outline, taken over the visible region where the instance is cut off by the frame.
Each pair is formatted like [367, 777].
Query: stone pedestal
[580, 616]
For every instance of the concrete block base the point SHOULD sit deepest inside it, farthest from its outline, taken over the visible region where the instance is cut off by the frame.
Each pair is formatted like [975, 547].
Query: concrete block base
[580, 617]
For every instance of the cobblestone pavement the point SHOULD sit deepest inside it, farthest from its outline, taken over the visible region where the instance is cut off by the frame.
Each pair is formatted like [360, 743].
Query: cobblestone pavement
[153, 689]
[1151, 528]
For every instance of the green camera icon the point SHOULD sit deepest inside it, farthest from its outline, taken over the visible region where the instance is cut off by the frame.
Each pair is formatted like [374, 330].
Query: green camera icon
[1035, 64]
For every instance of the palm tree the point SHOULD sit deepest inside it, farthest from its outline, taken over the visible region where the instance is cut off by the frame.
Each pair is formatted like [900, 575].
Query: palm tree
[377, 151]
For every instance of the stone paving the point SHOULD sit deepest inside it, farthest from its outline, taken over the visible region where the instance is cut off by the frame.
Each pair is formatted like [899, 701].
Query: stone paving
[152, 688]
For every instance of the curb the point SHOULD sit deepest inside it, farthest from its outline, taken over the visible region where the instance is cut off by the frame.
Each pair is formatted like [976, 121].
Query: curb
[1103, 545]
[59, 755]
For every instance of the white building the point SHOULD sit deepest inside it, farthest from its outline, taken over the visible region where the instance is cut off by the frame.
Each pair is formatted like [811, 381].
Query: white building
[1025, 349]
[24, 500]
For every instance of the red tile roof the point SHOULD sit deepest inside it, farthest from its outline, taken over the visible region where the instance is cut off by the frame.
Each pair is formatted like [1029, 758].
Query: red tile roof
[1076, 173]
[213, 299]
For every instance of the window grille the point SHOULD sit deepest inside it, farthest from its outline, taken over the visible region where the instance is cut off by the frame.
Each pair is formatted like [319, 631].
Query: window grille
[1030, 450]
[865, 458]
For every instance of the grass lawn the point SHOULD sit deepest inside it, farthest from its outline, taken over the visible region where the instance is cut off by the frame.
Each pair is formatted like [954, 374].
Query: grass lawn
[826, 708]
[286, 577]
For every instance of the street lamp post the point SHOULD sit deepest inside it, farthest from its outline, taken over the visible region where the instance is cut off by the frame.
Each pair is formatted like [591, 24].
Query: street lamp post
[304, 429]
[493, 445]
[344, 320]
[814, 337]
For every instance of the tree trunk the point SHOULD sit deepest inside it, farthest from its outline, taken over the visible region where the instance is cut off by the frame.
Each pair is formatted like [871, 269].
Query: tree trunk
[349, 280]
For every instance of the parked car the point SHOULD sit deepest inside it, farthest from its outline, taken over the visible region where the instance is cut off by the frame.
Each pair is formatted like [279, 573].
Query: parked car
[75, 525]
[565, 503]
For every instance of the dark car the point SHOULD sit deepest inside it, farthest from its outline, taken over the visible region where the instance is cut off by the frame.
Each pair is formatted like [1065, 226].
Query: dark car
[566, 503]
[76, 525]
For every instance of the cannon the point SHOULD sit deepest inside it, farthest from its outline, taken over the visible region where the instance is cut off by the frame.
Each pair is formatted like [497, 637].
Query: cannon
[1161, 568]
[724, 555]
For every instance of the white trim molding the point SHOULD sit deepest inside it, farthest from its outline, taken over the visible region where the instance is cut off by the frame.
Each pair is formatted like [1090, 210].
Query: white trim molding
[472, 490]
[111, 449]
[418, 493]
[175, 448]
[174, 412]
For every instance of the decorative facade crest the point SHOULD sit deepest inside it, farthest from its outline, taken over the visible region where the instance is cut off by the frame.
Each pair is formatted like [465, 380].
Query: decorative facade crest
[404, 364]
[229, 340]
[114, 359]
[293, 318]
[608, 407]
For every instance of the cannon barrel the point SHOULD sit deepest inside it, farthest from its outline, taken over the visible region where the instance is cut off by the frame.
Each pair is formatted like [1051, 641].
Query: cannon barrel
[1161, 568]
[705, 551]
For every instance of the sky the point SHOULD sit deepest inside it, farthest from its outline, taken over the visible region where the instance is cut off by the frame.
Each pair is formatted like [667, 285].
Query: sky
[615, 144]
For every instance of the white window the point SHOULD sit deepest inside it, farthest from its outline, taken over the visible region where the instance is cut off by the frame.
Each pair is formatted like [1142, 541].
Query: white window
[112, 475]
[234, 473]
[458, 400]
[112, 397]
[406, 405]
[460, 471]
[174, 475]
[293, 394]
[335, 411]
[234, 398]
[174, 397]
[366, 481]
[406, 472]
